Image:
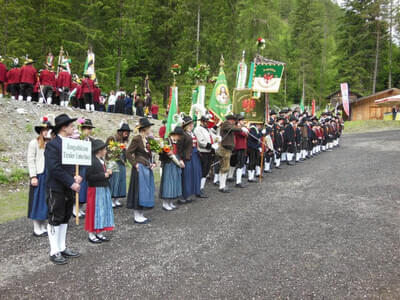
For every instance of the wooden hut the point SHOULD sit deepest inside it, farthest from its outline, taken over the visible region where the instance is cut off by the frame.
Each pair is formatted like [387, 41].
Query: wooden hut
[366, 108]
[336, 99]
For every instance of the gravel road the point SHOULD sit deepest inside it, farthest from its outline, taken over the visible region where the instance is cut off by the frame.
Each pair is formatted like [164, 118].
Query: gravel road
[324, 229]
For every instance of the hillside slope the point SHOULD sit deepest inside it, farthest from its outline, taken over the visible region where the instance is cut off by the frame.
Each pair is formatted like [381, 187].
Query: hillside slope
[18, 120]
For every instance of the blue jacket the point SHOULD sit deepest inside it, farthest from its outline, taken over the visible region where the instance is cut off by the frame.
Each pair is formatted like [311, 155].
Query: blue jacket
[251, 141]
[59, 177]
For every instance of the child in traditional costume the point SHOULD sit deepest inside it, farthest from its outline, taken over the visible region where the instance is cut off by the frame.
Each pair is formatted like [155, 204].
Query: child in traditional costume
[99, 212]
[37, 208]
[171, 179]
[141, 187]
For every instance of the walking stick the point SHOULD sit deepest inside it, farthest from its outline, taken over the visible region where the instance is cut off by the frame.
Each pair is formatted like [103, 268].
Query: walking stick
[77, 198]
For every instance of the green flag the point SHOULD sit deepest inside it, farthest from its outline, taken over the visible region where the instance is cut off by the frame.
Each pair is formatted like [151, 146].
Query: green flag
[302, 104]
[172, 119]
[220, 102]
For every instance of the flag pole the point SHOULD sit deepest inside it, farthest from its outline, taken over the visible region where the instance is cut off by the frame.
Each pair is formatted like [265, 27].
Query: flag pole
[77, 198]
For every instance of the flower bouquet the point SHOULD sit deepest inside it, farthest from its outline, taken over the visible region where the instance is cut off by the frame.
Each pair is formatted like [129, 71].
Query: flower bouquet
[260, 43]
[199, 73]
[114, 152]
[167, 149]
[175, 69]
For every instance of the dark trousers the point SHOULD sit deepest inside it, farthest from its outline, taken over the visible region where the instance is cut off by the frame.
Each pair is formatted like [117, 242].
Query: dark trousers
[47, 92]
[205, 160]
[139, 111]
[110, 108]
[253, 158]
[64, 95]
[26, 90]
[155, 117]
[74, 102]
[88, 98]
[60, 205]
[240, 158]
[14, 90]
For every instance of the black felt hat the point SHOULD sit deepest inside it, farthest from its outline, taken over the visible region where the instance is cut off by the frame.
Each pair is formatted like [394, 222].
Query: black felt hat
[144, 123]
[88, 124]
[62, 120]
[239, 117]
[204, 119]
[98, 145]
[124, 127]
[292, 118]
[272, 112]
[186, 121]
[178, 130]
[230, 117]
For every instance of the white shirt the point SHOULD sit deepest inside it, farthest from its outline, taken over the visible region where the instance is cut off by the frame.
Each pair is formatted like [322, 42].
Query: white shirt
[112, 99]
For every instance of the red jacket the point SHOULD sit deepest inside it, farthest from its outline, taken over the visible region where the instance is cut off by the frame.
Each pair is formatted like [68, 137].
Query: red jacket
[47, 78]
[96, 95]
[64, 80]
[13, 76]
[28, 74]
[240, 140]
[79, 93]
[36, 88]
[87, 85]
[154, 109]
[161, 132]
[3, 72]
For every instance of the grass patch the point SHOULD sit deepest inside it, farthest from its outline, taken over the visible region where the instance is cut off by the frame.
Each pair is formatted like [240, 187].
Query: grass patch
[29, 128]
[370, 125]
[13, 205]
[16, 176]
[4, 159]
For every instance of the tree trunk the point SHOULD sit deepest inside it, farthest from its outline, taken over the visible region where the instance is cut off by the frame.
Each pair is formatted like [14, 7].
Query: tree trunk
[390, 43]
[119, 50]
[378, 36]
[198, 34]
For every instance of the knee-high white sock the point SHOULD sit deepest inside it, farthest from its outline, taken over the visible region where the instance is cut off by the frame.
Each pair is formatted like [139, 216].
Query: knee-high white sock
[41, 100]
[258, 170]
[284, 156]
[216, 178]
[298, 155]
[36, 227]
[277, 162]
[20, 98]
[203, 183]
[238, 176]
[231, 172]
[62, 237]
[13, 97]
[43, 226]
[92, 107]
[222, 180]
[49, 100]
[29, 98]
[87, 106]
[249, 173]
[1, 95]
[267, 166]
[166, 205]
[53, 233]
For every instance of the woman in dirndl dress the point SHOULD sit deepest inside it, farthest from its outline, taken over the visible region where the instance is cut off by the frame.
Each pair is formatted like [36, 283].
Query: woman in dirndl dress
[171, 179]
[191, 175]
[118, 180]
[86, 128]
[99, 211]
[37, 208]
[141, 186]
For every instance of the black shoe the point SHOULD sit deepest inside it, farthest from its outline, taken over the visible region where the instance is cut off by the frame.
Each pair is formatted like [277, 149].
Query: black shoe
[95, 240]
[202, 195]
[181, 201]
[230, 179]
[216, 183]
[103, 238]
[252, 180]
[267, 171]
[70, 253]
[40, 235]
[240, 185]
[58, 259]
[224, 190]
[290, 163]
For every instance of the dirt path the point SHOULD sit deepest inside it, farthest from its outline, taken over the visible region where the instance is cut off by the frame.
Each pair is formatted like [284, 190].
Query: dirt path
[327, 228]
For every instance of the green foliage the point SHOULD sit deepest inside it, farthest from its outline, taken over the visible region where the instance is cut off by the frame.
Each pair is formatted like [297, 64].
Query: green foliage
[16, 176]
[29, 128]
[317, 40]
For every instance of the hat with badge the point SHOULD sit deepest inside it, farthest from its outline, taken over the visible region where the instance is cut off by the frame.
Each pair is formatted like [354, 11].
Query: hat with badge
[87, 124]
[44, 124]
[187, 120]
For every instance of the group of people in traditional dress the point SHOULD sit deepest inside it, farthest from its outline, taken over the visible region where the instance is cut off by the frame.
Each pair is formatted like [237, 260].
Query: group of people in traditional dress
[26, 83]
[189, 156]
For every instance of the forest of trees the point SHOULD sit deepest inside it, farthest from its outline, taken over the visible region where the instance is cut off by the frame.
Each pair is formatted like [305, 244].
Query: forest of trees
[322, 43]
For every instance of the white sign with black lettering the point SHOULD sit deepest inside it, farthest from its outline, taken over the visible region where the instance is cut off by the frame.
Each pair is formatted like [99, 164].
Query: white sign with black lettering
[76, 152]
